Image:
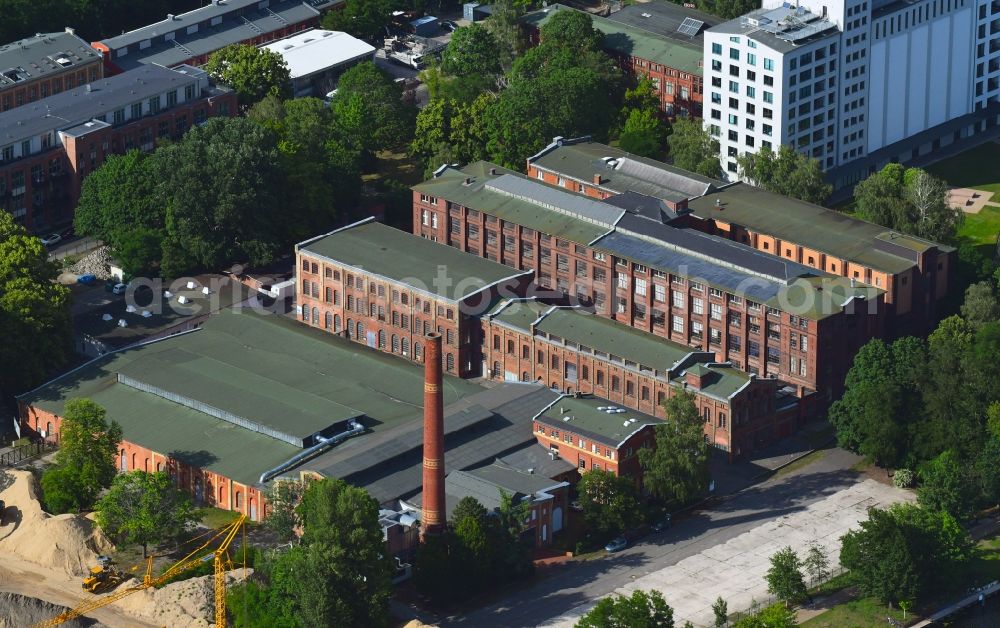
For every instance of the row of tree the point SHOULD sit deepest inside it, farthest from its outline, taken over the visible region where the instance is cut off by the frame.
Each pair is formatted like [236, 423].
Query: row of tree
[212, 197]
[933, 405]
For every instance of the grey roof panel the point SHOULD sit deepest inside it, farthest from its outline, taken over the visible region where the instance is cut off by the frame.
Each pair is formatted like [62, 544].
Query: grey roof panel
[555, 199]
[45, 54]
[665, 19]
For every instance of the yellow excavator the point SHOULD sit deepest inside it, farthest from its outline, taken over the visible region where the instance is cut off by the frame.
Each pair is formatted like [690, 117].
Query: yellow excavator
[221, 558]
[103, 577]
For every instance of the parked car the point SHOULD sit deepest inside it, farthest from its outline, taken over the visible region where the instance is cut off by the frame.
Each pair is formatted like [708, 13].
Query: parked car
[86, 279]
[661, 525]
[119, 288]
[448, 25]
[616, 544]
[52, 239]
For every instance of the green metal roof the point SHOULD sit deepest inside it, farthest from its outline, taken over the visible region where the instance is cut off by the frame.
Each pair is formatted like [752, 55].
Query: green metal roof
[634, 42]
[819, 297]
[437, 269]
[295, 374]
[519, 313]
[718, 381]
[585, 417]
[451, 184]
[825, 230]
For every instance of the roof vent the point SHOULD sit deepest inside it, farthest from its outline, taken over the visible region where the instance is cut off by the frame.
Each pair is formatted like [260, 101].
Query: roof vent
[493, 171]
[625, 424]
[718, 202]
[468, 181]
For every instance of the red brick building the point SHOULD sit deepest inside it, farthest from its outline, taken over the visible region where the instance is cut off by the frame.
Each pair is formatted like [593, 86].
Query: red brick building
[46, 64]
[575, 352]
[387, 289]
[190, 38]
[914, 273]
[763, 315]
[652, 47]
[47, 148]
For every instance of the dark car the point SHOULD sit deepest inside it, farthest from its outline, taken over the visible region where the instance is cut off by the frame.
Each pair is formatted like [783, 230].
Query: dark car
[448, 25]
[661, 524]
[616, 544]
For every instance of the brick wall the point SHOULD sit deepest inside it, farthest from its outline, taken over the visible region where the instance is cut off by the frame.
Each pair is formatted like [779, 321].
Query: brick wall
[24, 92]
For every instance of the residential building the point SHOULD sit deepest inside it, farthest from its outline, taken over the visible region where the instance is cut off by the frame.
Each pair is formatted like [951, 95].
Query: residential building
[913, 272]
[765, 315]
[250, 398]
[843, 82]
[46, 64]
[655, 46]
[190, 38]
[387, 288]
[48, 147]
[577, 352]
[316, 59]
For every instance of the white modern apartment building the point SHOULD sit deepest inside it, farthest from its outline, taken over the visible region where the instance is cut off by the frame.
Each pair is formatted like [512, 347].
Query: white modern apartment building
[853, 83]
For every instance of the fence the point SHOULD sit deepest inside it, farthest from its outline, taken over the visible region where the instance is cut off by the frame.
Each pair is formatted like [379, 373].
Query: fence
[16, 455]
[756, 606]
[78, 247]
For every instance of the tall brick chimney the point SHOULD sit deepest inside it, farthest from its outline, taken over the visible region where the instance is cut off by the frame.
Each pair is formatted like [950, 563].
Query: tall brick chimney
[433, 518]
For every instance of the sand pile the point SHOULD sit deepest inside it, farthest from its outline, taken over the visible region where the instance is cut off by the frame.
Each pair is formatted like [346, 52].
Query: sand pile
[17, 611]
[416, 623]
[69, 542]
[186, 603]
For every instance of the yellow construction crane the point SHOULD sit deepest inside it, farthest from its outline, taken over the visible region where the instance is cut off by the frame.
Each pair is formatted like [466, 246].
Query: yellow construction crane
[221, 558]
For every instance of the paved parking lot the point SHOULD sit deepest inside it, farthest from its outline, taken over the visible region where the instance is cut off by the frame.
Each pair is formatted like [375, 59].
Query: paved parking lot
[735, 569]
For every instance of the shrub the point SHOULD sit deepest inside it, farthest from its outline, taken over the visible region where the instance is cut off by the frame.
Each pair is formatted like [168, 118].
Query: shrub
[902, 478]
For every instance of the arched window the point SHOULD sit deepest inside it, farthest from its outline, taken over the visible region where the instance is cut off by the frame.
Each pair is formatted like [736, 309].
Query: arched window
[133, 462]
[525, 377]
[336, 323]
[239, 499]
[122, 464]
[145, 465]
[496, 369]
[315, 316]
[450, 363]
[360, 329]
[406, 346]
[417, 352]
[159, 467]
[221, 493]
[350, 327]
[328, 320]
[395, 343]
[381, 339]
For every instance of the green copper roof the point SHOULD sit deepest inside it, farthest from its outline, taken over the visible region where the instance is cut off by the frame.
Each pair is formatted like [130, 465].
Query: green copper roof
[587, 416]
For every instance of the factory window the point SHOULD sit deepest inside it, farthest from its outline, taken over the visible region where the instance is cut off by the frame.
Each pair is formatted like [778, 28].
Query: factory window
[525, 353]
[239, 499]
[328, 320]
[381, 338]
[350, 327]
[336, 323]
[315, 316]
[122, 464]
[395, 343]
[360, 330]
[450, 363]
[496, 369]
[405, 343]
[722, 419]
[510, 347]
[616, 385]
[417, 351]
[645, 393]
[600, 378]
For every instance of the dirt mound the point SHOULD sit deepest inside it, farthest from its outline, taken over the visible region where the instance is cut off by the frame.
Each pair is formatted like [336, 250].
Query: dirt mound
[186, 603]
[69, 542]
[416, 623]
[19, 610]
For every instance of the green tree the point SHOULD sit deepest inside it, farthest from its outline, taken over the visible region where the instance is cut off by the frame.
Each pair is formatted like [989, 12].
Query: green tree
[610, 503]
[816, 565]
[571, 29]
[85, 462]
[283, 498]
[774, 616]
[343, 547]
[643, 609]
[721, 611]
[220, 186]
[62, 490]
[908, 200]
[728, 9]
[981, 304]
[468, 507]
[433, 568]
[143, 508]
[35, 329]
[644, 133]
[900, 553]
[252, 72]
[787, 172]
[677, 468]
[472, 51]
[946, 485]
[369, 110]
[988, 471]
[365, 19]
[505, 26]
[694, 149]
[784, 576]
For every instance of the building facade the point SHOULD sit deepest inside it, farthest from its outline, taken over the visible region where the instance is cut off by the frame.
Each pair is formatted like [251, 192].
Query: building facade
[843, 82]
[767, 316]
[575, 352]
[190, 38]
[47, 148]
[654, 49]
[46, 64]
[350, 284]
[913, 272]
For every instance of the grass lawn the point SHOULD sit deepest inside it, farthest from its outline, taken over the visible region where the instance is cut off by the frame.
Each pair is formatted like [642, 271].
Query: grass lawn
[981, 229]
[985, 568]
[396, 165]
[216, 518]
[859, 613]
[799, 463]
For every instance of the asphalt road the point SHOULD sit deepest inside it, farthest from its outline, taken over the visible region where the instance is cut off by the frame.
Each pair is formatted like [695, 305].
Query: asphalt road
[570, 585]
